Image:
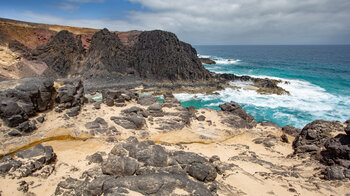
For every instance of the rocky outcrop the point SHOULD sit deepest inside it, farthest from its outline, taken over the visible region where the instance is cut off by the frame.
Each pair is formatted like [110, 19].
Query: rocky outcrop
[106, 54]
[145, 168]
[62, 54]
[118, 97]
[70, 95]
[29, 162]
[207, 61]
[314, 135]
[337, 156]
[25, 99]
[160, 55]
[238, 117]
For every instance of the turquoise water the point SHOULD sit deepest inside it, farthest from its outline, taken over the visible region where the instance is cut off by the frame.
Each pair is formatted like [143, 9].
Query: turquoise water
[319, 79]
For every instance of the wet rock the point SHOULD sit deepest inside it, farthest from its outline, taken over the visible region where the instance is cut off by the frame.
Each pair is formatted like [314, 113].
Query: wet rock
[290, 130]
[207, 61]
[316, 134]
[147, 100]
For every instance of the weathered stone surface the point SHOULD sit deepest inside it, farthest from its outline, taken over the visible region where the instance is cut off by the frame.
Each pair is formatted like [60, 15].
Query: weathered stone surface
[240, 118]
[120, 166]
[147, 100]
[181, 62]
[25, 99]
[290, 130]
[145, 168]
[132, 122]
[316, 134]
[31, 160]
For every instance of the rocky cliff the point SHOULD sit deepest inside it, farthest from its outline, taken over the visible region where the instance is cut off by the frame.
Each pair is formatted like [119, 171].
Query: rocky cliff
[153, 55]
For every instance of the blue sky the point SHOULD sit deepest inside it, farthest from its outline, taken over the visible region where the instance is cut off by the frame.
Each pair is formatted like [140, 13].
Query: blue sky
[200, 21]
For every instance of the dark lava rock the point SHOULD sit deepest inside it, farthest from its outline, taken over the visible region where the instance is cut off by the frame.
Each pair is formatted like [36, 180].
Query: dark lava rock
[160, 55]
[120, 166]
[241, 119]
[23, 186]
[132, 122]
[28, 161]
[155, 110]
[207, 61]
[201, 118]
[106, 54]
[147, 100]
[62, 54]
[14, 132]
[97, 105]
[316, 134]
[45, 153]
[148, 169]
[95, 158]
[73, 111]
[334, 173]
[26, 127]
[284, 138]
[40, 119]
[290, 130]
[347, 129]
[29, 96]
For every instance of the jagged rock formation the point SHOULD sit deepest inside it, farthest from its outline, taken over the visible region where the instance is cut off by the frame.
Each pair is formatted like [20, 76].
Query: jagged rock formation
[62, 54]
[26, 97]
[106, 53]
[314, 135]
[160, 55]
[239, 118]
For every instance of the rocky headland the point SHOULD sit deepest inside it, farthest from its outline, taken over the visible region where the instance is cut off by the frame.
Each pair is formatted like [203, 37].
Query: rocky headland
[59, 137]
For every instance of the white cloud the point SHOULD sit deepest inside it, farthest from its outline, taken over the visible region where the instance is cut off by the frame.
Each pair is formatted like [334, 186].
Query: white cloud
[231, 22]
[66, 6]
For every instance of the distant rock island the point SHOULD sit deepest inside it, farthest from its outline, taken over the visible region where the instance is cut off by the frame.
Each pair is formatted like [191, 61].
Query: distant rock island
[78, 116]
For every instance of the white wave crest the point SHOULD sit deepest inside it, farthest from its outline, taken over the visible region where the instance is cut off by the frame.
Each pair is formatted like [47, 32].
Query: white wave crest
[305, 99]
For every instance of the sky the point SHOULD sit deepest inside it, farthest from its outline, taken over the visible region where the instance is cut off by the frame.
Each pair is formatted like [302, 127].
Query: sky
[200, 22]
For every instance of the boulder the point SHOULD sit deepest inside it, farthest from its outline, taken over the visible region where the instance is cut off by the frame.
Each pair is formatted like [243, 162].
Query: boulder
[244, 119]
[147, 100]
[316, 134]
[119, 166]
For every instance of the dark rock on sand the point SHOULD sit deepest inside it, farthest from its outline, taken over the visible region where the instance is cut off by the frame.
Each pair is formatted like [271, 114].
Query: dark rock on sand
[147, 100]
[314, 135]
[132, 122]
[240, 118]
[290, 130]
[25, 99]
[145, 168]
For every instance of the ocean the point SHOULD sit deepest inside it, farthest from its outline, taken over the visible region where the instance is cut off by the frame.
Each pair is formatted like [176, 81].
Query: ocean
[318, 76]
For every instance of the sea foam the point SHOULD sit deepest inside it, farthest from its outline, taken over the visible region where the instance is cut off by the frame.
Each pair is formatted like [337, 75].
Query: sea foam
[305, 103]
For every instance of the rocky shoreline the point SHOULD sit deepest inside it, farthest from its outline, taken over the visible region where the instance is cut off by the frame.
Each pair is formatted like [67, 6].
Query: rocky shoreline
[129, 144]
